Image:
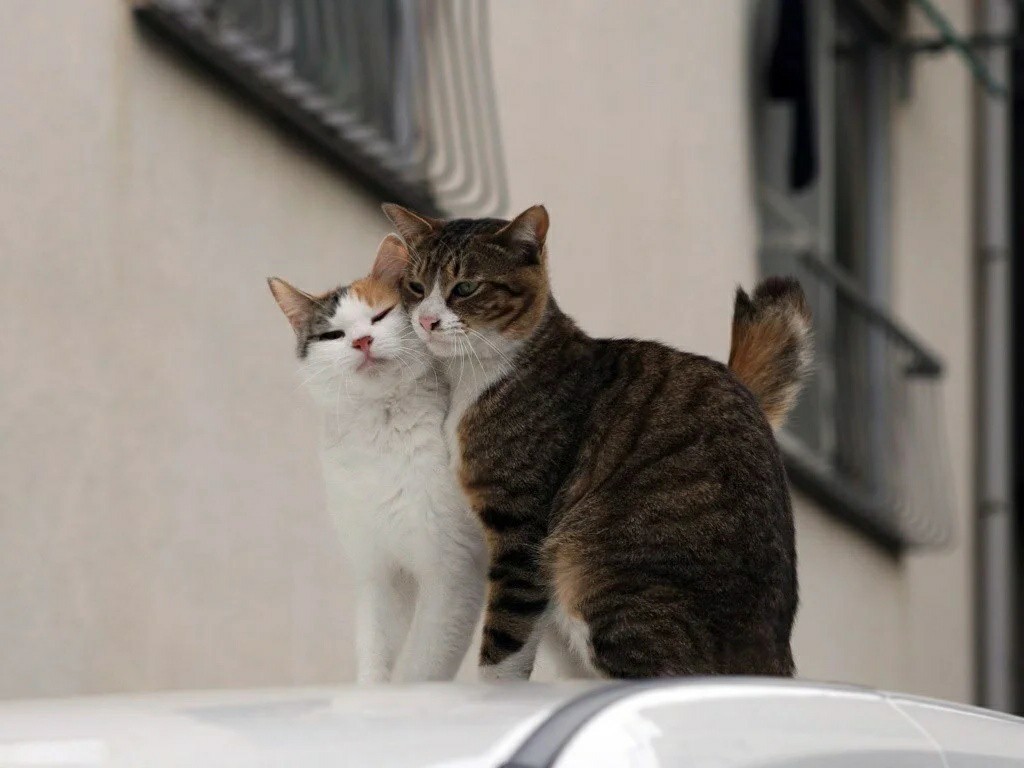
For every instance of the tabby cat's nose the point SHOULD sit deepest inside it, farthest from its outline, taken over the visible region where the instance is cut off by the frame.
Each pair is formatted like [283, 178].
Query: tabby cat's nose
[429, 322]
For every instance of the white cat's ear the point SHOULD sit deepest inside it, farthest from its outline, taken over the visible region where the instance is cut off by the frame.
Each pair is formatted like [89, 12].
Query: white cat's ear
[297, 305]
[526, 233]
[409, 225]
[392, 257]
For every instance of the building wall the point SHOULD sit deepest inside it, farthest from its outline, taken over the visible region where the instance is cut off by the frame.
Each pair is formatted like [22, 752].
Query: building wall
[934, 281]
[160, 507]
[161, 517]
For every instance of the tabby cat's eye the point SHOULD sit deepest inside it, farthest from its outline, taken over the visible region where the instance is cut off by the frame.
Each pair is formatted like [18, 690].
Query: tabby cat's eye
[330, 335]
[465, 288]
[381, 315]
[415, 287]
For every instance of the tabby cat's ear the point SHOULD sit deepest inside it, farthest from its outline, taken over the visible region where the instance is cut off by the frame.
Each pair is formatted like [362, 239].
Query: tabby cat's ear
[526, 234]
[297, 306]
[392, 256]
[409, 225]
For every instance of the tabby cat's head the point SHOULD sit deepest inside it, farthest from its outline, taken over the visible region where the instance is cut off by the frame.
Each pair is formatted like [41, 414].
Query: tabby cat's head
[473, 286]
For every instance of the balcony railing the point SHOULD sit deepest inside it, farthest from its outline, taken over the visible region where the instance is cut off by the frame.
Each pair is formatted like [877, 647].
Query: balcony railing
[398, 92]
[869, 437]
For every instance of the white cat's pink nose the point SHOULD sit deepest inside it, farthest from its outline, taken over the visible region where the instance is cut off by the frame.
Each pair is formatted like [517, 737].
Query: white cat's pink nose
[429, 322]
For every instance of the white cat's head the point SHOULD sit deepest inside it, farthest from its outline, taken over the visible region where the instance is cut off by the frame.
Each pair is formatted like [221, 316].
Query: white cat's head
[355, 341]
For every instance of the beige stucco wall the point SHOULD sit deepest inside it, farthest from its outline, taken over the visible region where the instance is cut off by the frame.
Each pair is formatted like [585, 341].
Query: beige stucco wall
[160, 517]
[934, 291]
[160, 520]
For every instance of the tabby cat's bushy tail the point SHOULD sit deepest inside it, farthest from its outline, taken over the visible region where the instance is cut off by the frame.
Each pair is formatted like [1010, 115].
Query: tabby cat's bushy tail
[771, 344]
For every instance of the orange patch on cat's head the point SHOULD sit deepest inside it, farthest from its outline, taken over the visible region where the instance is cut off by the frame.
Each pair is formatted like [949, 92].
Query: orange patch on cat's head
[375, 293]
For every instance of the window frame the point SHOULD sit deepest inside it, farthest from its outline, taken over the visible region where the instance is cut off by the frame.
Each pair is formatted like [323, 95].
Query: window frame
[809, 243]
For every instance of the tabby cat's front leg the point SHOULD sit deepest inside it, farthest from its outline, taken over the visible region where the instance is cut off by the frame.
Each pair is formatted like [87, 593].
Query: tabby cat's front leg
[517, 597]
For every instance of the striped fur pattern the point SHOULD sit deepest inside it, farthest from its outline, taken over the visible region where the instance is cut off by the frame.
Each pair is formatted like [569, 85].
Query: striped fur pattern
[633, 496]
[771, 344]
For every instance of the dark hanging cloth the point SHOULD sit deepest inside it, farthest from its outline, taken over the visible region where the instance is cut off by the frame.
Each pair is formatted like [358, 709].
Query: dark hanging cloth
[789, 79]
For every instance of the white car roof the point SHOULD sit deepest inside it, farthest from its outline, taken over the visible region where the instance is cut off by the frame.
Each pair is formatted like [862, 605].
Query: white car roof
[571, 725]
[436, 724]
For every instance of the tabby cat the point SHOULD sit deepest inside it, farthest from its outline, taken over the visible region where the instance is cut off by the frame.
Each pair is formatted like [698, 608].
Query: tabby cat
[632, 496]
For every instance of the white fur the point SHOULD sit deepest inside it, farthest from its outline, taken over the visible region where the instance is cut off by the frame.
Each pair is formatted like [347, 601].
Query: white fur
[519, 665]
[565, 636]
[416, 550]
[571, 636]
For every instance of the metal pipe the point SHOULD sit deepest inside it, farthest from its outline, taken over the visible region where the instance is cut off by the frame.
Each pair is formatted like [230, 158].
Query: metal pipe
[975, 61]
[995, 543]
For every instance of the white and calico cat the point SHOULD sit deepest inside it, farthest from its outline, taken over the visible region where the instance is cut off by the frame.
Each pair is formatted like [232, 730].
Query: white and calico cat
[416, 550]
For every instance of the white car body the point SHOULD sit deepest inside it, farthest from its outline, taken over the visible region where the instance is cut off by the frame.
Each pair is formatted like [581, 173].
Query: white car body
[718, 723]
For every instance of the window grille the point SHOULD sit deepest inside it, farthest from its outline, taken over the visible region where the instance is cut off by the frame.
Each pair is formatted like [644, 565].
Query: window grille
[867, 438]
[876, 451]
[399, 92]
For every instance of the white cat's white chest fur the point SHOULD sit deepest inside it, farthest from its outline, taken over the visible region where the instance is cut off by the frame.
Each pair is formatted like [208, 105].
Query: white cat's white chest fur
[416, 550]
[388, 490]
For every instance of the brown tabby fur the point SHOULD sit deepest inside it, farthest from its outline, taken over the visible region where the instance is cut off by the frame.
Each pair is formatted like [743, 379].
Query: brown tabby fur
[624, 484]
[770, 346]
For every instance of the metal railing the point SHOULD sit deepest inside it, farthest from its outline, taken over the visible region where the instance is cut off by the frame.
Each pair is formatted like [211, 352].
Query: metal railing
[397, 91]
[870, 433]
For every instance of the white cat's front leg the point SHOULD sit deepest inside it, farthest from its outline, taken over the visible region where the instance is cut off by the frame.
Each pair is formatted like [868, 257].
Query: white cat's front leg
[447, 610]
[380, 628]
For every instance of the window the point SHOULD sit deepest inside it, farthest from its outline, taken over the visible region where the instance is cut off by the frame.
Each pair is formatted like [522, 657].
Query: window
[396, 91]
[866, 437]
